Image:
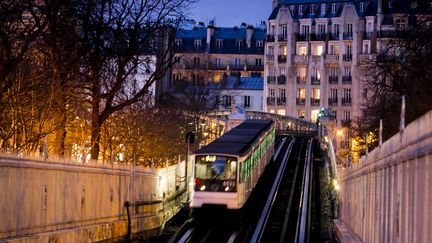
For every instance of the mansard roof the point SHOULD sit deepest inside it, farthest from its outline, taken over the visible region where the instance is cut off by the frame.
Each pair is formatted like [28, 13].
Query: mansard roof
[245, 83]
[221, 33]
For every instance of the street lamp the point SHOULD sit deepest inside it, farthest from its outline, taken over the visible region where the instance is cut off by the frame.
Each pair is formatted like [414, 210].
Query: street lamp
[190, 139]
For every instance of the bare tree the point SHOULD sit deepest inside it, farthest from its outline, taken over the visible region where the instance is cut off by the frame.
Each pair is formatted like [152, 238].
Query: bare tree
[118, 42]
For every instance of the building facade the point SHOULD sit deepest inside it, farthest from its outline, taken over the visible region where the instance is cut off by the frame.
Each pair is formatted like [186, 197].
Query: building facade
[212, 54]
[315, 51]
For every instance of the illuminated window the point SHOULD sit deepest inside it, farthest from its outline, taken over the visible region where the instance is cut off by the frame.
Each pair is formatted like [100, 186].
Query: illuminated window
[302, 50]
[314, 115]
[281, 112]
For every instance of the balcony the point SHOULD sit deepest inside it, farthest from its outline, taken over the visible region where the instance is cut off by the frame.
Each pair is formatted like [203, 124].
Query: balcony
[195, 66]
[255, 68]
[346, 123]
[281, 101]
[215, 66]
[368, 35]
[315, 80]
[282, 37]
[346, 101]
[271, 100]
[281, 79]
[301, 80]
[303, 37]
[315, 102]
[348, 35]
[270, 58]
[270, 38]
[332, 58]
[282, 58]
[334, 36]
[319, 37]
[300, 101]
[301, 59]
[317, 58]
[271, 79]
[333, 101]
[333, 79]
[347, 57]
[347, 79]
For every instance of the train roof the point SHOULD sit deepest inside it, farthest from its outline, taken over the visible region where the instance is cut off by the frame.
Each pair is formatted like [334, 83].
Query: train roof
[238, 140]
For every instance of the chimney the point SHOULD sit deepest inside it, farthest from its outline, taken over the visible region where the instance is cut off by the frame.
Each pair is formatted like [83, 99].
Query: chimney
[249, 33]
[210, 31]
[379, 6]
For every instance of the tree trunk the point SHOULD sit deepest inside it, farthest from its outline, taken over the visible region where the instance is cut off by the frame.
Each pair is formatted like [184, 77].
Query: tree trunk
[96, 122]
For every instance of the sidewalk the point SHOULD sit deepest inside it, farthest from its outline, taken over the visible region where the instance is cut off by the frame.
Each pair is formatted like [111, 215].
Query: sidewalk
[344, 234]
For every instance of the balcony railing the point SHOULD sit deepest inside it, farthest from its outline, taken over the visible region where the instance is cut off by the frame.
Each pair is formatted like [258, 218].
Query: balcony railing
[281, 101]
[282, 37]
[281, 79]
[303, 37]
[301, 80]
[333, 101]
[271, 100]
[347, 57]
[346, 101]
[334, 36]
[255, 68]
[271, 79]
[270, 38]
[300, 101]
[332, 58]
[319, 37]
[315, 80]
[282, 58]
[301, 58]
[238, 67]
[195, 66]
[346, 123]
[333, 79]
[214, 66]
[317, 58]
[348, 35]
[315, 102]
[269, 58]
[387, 34]
[347, 79]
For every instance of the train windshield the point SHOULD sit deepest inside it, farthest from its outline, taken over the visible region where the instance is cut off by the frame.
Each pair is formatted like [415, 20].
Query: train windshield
[215, 167]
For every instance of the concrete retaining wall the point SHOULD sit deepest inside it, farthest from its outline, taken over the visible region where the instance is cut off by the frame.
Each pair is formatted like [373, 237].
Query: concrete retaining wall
[387, 197]
[67, 202]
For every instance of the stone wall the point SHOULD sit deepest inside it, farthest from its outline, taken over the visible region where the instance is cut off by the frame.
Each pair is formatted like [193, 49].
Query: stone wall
[387, 197]
[69, 202]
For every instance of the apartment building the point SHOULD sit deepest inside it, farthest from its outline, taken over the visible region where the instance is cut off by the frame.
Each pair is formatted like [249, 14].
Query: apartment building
[212, 54]
[315, 50]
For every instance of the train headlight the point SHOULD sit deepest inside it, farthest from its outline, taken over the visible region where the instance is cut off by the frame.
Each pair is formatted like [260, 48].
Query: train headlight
[202, 188]
[227, 188]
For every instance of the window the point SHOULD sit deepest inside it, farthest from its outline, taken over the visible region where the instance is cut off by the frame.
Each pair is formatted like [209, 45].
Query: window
[362, 5]
[314, 115]
[347, 116]
[316, 74]
[292, 9]
[334, 49]
[304, 30]
[197, 44]
[228, 100]
[312, 9]
[347, 72]
[282, 93]
[401, 23]
[219, 44]
[348, 50]
[369, 27]
[271, 92]
[390, 4]
[301, 113]
[271, 50]
[366, 47]
[283, 50]
[196, 62]
[247, 101]
[272, 111]
[281, 112]
[349, 30]
[301, 72]
[333, 72]
[336, 30]
[316, 94]
[301, 94]
[239, 45]
[218, 62]
[177, 59]
[178, 42]
[300, 9]
[302, 50]
[258, 62]
[333, 95]
[323, 8]
[283, 31]
[317, 50]
[259, 44]
[347, 94]
[321, 29]
[237, 62]
[333, 7]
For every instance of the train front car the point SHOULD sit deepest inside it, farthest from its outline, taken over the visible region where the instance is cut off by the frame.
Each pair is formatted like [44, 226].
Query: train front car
[227, 169]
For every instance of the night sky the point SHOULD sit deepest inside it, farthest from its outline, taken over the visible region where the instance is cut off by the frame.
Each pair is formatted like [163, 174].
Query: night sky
[229, 13]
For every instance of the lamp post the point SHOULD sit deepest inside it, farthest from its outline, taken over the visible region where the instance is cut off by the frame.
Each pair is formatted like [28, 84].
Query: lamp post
[190, 139]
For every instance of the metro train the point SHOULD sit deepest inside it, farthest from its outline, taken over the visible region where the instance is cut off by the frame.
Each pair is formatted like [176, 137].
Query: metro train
[227, 170]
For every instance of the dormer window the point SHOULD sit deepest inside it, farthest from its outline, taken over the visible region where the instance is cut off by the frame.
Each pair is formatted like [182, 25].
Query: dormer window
[300, 9]
[312, 9]
[197, 44]
[259, 44]
[333, 7]
[323, 8]
[390, 4]
[219, 44]
[414, 5]
[292, 9]
[362, 5]
[239, 45]
[178, 42]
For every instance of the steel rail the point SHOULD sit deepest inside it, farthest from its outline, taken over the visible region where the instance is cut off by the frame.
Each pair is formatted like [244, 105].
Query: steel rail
[304, 199]
[257, 235]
